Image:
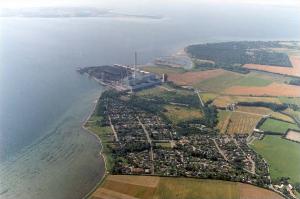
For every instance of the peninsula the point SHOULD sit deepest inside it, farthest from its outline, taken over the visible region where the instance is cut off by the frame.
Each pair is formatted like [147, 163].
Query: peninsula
[215, 127]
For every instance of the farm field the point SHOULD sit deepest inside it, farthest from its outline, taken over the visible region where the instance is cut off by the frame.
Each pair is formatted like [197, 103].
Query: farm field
[243, 123]
[208, 96]
[151, 91]
[229, 79]
[295, 114]
[277, 126]
[265, 111]
[217, 84]
[223, 100]
[290, 100]
[255, 110]
[274, 89]
[293, 135]
[163, 91]
[146, 187]
[178, 114]
[190, 78]
[291, 71]
[223, 120]
[286, 152]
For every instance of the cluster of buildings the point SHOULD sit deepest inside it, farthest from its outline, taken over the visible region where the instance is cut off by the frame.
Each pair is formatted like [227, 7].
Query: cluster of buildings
[123, 77]
[146, 144]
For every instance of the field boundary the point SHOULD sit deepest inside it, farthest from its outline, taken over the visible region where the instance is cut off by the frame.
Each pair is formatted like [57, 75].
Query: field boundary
[285, 134]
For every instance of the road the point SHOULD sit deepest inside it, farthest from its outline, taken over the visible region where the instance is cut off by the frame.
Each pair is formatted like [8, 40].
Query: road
[167, 89]
[113, 129]
[201, 101]
[220, 151]
[150, 142]
[248, 157]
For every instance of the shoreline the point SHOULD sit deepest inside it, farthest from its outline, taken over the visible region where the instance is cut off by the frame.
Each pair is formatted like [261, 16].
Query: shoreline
[101, 154]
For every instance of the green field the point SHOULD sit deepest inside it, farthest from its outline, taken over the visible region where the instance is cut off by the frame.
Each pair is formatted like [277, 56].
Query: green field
[277, 126]
[227, 80]
[219, 83]
[178, 114]
[282, 155]
[164, 144]
[290, 100]
[251, 80]
[105, 134]
[155, 91]
[208, 96]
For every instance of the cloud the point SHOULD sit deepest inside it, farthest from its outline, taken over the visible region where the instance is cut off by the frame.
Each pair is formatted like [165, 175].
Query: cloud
[121, 3]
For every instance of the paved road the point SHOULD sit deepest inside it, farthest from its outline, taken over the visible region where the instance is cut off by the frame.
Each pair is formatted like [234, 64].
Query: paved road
[198, 93]
[113, 129]
[248, 157]
[150, 142]
[220, 151]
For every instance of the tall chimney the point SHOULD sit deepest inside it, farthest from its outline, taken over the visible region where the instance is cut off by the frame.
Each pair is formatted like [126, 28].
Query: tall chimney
[135, 64]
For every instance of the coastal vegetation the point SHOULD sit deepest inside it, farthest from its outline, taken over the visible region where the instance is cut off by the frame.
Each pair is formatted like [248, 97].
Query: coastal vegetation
[105, 135]
[231, 55]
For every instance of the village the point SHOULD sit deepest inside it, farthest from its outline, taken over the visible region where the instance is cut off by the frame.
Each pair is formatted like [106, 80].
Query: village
[144, 144]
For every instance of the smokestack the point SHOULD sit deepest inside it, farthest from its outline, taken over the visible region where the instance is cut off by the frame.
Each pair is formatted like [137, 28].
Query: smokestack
[135, 64]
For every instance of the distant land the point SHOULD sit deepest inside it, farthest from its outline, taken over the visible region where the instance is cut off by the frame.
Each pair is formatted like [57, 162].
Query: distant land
[67, 12]
[209, 116]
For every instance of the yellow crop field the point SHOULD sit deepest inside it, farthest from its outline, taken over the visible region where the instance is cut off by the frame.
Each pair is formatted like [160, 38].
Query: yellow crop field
[223, 100]
[223, 120]
[148, 187]
[243, 123]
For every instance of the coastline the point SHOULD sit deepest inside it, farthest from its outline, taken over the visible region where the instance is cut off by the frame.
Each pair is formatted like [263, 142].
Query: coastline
[64, 164]
[101, 154]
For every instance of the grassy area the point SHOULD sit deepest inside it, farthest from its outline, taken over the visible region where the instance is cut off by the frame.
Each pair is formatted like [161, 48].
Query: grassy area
[281, 116]
[219, 83]
[252, 80]
[105, 134]
[290, 100]
[178, 114]
[295, 114]
[164, 90]
[164, 144]
[277, 126]
[155, 91]
[208, 96]
[282, 155]
[227, 80]
[224, 100]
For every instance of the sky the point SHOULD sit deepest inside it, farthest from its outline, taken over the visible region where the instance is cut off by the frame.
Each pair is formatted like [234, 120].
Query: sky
[122, 3]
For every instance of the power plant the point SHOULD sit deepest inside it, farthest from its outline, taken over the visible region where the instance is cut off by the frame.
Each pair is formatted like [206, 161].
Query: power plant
[123, 77]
